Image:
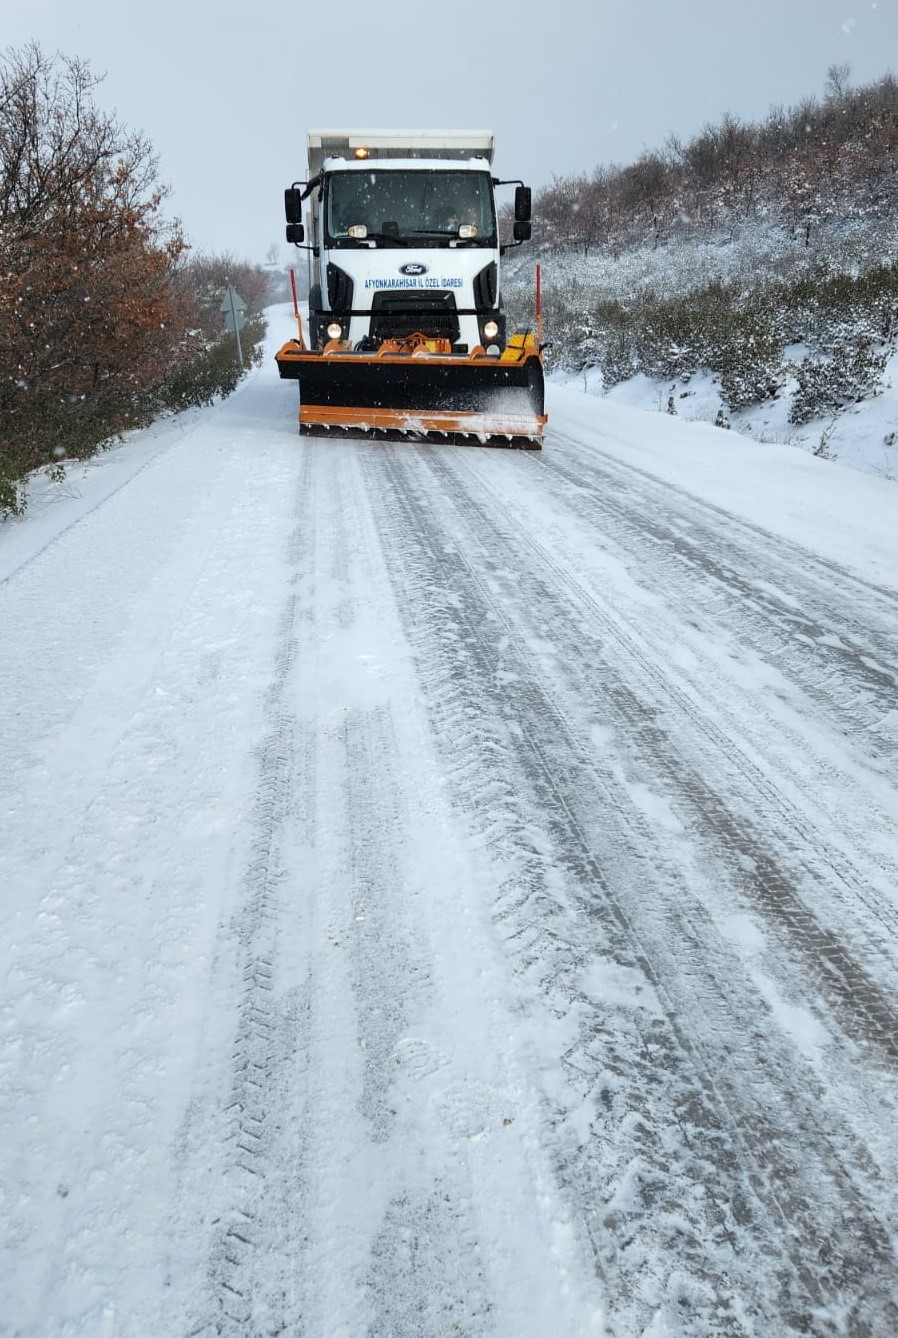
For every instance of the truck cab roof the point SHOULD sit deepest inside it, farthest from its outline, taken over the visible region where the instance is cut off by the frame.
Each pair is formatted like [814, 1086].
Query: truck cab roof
[405, 165]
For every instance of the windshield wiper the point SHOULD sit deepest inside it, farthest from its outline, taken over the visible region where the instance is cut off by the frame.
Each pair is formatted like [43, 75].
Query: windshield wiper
[453, 235]
[344, 240]
[391, 237]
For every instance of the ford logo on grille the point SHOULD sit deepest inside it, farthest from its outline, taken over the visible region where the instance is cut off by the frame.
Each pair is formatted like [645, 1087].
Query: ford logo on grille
[413, 269]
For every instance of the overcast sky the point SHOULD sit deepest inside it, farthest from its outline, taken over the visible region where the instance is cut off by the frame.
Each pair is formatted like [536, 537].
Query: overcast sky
[226, 90]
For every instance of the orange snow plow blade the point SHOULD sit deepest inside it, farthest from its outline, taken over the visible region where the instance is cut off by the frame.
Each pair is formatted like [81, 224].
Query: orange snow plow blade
[418, 387]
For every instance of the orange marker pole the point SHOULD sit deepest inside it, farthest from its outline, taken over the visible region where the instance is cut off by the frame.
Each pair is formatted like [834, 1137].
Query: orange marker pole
[302, 342]
[539, 306]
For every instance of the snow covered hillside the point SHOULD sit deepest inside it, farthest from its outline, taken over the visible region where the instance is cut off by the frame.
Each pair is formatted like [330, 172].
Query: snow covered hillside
[653, 328]
[449, 891]
[746, 276]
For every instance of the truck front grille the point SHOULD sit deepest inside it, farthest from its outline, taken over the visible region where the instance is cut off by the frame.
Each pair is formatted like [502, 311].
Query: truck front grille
[395, 315]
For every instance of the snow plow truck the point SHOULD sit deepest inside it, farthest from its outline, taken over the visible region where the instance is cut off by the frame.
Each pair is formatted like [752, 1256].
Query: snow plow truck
[406, 330]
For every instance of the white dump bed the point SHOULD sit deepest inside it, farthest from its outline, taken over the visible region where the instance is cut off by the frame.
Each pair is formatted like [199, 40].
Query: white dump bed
[453, 145]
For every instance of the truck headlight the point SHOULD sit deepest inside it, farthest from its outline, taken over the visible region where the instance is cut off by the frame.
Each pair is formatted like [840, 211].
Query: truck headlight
[490, 330]
[335, 330]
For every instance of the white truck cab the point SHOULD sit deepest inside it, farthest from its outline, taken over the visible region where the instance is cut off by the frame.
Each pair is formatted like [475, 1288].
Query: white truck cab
[402, 235]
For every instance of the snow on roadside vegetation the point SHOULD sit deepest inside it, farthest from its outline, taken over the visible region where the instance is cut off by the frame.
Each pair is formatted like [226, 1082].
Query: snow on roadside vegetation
[863, 436]
[771, 316]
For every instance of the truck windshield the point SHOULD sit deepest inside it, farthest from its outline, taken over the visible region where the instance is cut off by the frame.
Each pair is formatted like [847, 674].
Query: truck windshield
[414, 208]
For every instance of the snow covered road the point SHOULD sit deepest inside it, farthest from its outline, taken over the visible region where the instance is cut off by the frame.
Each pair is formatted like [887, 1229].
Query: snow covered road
[450, 891]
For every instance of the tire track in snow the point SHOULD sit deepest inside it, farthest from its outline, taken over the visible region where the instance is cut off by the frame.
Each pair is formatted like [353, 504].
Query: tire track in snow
[423, 1271]
[425, 1195]
[829, 631]
[116, 901]
[508, 744]
[867, 1011]
[424, 1274]
[254, 1234]
[833, 644]
[285, 1256]
[482, 705]
[256, 1229]
[389, 972]
[655, 705]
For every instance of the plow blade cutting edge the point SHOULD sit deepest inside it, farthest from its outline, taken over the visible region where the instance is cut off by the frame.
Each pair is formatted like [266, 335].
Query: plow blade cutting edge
[418, 387]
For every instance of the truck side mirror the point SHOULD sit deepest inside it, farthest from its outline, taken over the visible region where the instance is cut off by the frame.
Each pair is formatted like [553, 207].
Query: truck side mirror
[293, 205]
[296, 233]
[522, 230]
[522, 210]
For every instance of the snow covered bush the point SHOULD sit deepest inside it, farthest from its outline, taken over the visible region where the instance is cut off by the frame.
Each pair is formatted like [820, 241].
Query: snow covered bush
[617, 357]
[738, 330]
[734, 334]
[826, 309]
[214, 371]
[11, 499]
[851, 373]
[749, 360]
[750, 381]
[667, 338]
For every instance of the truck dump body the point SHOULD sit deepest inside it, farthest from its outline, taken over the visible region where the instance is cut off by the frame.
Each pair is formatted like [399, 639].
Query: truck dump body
[399, 144]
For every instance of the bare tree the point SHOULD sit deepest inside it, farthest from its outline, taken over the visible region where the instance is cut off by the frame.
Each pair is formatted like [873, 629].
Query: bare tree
[645, 188]
[836, 86]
